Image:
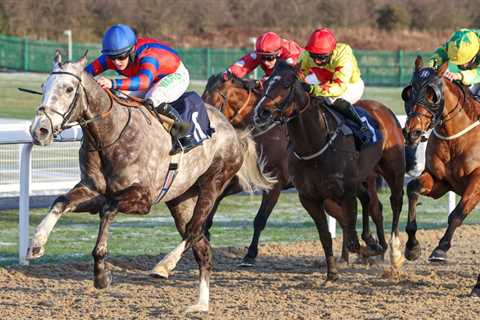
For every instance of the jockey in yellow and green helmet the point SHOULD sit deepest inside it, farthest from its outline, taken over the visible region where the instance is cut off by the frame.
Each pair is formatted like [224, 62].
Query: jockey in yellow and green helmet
[462, 50]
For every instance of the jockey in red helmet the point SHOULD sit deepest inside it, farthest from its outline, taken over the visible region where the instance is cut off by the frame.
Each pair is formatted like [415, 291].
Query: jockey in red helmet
[331, 71]
[268, 48]
[151, 69]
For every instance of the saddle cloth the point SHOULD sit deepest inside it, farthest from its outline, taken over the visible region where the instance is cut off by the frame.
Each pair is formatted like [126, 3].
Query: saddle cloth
[349, 127]
[192, 110]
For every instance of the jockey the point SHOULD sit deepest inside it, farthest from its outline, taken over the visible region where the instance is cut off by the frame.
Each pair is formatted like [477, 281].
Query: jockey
[463, 50]
[331, 71]
[152, 69]
[268, 48]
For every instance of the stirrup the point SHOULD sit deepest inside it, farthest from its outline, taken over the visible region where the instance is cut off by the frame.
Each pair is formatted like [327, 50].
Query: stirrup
[183, 144]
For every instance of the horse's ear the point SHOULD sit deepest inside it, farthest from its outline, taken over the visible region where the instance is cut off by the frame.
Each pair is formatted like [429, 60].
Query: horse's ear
[418, 63]
[83, 60]
[58, 58]
[442, 69]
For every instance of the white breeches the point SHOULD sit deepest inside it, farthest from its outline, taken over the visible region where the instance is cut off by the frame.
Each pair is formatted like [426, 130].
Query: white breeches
[167, 89]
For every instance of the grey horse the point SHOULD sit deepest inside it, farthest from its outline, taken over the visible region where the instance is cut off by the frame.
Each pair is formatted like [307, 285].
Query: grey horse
[125, 162]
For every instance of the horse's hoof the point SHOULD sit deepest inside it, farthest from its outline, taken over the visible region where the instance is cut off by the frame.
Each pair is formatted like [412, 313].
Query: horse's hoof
[414, 253]
[332, 276]
[160, 271]
[197, 308]
[103, 281]
[247, 262]
[376, 247]
[475, 291]
[366, 252]
[35, 252]
[438, 255]
[342, 262]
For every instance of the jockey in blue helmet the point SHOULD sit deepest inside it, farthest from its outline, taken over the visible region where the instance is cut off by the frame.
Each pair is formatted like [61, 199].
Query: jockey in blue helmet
[152, 69]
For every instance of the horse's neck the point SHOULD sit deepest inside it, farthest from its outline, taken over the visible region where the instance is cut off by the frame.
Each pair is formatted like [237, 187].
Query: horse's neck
[308, 132]
[461, 110]
[98, 102]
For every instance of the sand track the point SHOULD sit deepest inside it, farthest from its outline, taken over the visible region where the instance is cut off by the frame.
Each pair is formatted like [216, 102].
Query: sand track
[288, 283]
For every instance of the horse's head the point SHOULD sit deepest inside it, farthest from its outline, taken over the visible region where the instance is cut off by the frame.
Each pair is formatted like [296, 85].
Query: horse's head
[60, 106]
[424, 101]
[283, 97]
[231, 95]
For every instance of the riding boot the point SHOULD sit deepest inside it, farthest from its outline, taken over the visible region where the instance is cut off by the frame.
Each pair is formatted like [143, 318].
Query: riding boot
[349, 111]
[179, 128]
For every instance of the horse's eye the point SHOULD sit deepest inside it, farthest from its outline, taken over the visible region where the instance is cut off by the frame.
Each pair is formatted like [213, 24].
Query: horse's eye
[69, 90]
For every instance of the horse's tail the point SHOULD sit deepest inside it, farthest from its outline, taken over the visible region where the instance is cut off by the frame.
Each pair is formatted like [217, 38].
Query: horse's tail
[251, 175]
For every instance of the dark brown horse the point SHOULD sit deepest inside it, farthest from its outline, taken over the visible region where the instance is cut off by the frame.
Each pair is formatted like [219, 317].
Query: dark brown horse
[236, 98]
[125, 165]
[325, 164]
[452, 162]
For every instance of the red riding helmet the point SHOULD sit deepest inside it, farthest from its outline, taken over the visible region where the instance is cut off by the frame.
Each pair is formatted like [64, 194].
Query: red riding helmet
[321, 41]
[268, 43]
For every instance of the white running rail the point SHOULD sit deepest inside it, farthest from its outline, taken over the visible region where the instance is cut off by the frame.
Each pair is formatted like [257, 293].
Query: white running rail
[19, 134]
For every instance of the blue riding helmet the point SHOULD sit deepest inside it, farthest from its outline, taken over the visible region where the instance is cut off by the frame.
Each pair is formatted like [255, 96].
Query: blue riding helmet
[118, 39]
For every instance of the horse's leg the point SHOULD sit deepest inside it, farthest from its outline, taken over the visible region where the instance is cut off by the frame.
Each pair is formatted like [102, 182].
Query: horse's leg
[335, 211]
[269, 200]
[203, 255]
[394, 179]
[371, 206]
[470, 198]
[181, 209]
[316, 210]
[102, 277]
[132, 200]
[78, 199]
[476, 289]
[426, 185]
[209, 187]
[232, 188]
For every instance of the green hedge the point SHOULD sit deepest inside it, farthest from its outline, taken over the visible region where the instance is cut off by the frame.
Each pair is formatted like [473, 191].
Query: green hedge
[379, 68]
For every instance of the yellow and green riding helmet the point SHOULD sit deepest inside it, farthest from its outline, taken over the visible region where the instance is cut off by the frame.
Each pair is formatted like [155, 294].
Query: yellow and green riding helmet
[463, 46]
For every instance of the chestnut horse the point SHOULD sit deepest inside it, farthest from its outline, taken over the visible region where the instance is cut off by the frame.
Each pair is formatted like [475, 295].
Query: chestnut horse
[126, 167]
[325, 164]
[448, 108]
[236, 98]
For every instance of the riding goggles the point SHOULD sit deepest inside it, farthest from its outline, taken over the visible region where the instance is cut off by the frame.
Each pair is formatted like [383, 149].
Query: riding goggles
[268, 57]
[322, 58]
[122, 56]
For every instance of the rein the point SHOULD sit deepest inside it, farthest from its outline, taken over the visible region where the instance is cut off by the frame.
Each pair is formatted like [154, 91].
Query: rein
[449, 117]
[285, 103]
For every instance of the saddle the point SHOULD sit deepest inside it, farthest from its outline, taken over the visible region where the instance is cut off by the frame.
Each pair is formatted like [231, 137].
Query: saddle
[139, 103]
[348, 127]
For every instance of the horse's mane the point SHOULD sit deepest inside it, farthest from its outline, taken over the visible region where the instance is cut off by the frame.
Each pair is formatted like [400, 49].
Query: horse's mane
[471, 105]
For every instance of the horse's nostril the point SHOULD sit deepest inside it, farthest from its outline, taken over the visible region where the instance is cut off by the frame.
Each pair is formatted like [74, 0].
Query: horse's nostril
[415, 134]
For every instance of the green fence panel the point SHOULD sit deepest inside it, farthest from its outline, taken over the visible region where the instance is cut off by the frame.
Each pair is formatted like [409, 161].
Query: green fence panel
[379, 68]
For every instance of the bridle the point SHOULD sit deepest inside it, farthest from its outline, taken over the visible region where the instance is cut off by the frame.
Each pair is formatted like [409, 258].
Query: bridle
[434, 109]
[280, 107]
[66, 116]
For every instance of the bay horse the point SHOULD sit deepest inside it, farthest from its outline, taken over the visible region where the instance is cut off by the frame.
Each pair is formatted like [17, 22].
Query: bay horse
[236, 98]
[125, 164]
[452, 163]
[324, 164]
